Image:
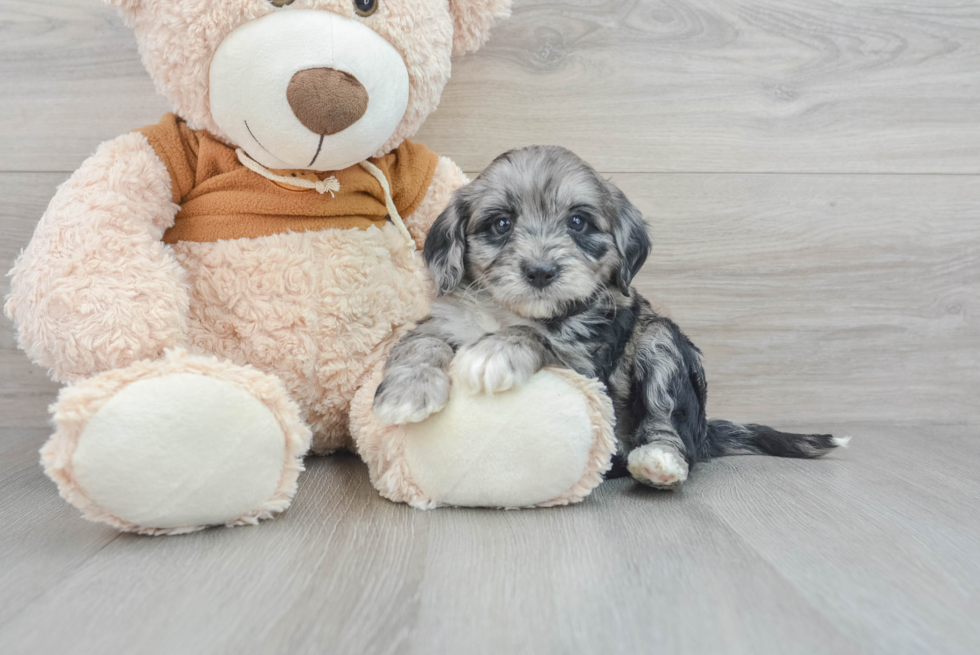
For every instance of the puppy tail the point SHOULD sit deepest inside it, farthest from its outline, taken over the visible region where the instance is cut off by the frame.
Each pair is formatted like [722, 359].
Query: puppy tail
[729, 438]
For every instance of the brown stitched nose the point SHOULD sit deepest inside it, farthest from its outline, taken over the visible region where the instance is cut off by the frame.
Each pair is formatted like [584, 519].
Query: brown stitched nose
[326, 100]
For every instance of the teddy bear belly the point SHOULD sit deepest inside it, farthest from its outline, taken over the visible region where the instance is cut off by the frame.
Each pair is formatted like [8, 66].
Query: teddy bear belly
[317, 309]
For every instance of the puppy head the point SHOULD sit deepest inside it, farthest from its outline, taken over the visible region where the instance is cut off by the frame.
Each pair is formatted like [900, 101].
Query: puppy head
[540, 230]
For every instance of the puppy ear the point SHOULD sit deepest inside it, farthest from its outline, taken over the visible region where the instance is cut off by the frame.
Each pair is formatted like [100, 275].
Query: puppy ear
[630, 235]
[472, 20]
[445, 245]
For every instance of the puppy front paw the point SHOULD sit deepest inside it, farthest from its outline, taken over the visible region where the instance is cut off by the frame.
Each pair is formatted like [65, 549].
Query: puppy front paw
[410, 395]
[494, 364]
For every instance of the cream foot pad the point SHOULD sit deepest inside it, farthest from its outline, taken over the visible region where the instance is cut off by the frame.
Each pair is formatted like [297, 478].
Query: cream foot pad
[176, 445]
[545, 443]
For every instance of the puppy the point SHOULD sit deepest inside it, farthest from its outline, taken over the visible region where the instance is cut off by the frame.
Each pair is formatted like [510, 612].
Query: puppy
[533, 263]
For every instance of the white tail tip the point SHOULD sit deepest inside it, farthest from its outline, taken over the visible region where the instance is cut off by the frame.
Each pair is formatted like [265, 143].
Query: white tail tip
[841, 442]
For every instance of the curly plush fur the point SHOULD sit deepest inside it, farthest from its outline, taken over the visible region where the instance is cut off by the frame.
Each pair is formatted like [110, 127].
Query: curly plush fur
[96, 288]
[97, 291]
[179, 37]
[318, 310]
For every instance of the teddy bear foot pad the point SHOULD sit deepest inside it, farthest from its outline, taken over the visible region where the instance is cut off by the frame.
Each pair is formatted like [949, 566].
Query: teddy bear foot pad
[176, 450]
[545, 444]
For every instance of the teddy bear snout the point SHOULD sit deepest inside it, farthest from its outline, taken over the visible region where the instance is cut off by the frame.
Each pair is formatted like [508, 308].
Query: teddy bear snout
[326, 100]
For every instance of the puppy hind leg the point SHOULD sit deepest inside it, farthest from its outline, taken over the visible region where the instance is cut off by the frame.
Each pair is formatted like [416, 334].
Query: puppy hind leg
[667, 404]
[661, 461]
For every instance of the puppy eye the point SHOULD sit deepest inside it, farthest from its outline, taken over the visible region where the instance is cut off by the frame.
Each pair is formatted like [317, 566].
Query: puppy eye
[502, 226]
[365, 7]
[576, 223]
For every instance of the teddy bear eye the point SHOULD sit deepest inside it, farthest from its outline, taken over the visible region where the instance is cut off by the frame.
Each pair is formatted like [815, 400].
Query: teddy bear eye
[365, 7]
[281, 3]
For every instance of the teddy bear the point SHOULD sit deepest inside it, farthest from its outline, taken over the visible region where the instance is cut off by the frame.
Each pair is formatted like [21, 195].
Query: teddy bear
[218, 291]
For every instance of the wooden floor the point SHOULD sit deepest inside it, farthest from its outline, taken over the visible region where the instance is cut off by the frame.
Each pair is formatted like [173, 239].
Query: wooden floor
[811, 172]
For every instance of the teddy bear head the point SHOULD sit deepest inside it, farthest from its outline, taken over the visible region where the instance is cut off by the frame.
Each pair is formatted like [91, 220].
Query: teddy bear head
[307, 84]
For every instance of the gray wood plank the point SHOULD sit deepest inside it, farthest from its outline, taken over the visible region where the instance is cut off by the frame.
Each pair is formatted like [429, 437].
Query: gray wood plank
[822, 301]
[755, 555]
[72, 78]
[348, 569]
[888, 516]
[608, 577]
[814, 297]
[822, 298]
[25, 390]
[715, 85]
[42, 538]
[644, 85]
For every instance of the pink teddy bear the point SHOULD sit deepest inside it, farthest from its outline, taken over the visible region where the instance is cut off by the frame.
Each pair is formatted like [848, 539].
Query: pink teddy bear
[219, 291]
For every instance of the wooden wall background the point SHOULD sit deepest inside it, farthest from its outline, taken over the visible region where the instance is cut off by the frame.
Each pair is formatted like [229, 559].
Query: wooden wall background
[811, 171]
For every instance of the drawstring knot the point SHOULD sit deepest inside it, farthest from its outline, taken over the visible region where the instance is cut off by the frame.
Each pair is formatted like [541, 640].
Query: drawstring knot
[331, 185]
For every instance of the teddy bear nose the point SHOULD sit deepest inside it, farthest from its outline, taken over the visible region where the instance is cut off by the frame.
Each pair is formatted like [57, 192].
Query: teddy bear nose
[326, 100]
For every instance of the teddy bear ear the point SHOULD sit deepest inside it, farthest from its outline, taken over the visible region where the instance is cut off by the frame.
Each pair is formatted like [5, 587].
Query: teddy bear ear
[472, 20]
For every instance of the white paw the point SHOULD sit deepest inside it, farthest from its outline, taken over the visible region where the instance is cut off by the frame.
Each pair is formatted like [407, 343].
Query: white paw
[410, 395]
[657, 466]
[492, 365]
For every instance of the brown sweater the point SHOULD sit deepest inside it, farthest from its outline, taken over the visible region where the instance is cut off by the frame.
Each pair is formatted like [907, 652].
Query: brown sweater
[221, 199]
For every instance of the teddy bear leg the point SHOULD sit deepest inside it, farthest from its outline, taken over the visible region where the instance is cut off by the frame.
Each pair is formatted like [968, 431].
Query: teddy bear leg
[545, 443]
[177, 444]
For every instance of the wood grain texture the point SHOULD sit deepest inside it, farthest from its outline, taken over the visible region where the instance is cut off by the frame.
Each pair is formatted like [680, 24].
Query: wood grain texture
[852, 554]
[642, 85]
[814, 297]
[25, 390]
[717, 85]
[812, 515]
[811, 172]
[828, 297]
[42, 538]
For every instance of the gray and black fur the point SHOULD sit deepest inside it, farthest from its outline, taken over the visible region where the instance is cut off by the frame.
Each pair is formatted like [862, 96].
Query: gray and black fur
[533, 262]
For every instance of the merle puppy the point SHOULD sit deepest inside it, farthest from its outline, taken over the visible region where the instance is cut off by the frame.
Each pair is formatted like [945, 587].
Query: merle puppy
[533, 262]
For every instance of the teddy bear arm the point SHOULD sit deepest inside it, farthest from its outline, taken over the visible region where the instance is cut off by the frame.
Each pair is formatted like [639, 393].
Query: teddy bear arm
[96, 288]
[447, 178]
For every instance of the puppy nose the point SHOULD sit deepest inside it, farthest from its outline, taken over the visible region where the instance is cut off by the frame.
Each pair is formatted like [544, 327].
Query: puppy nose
[540, 275]
[326, 100]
